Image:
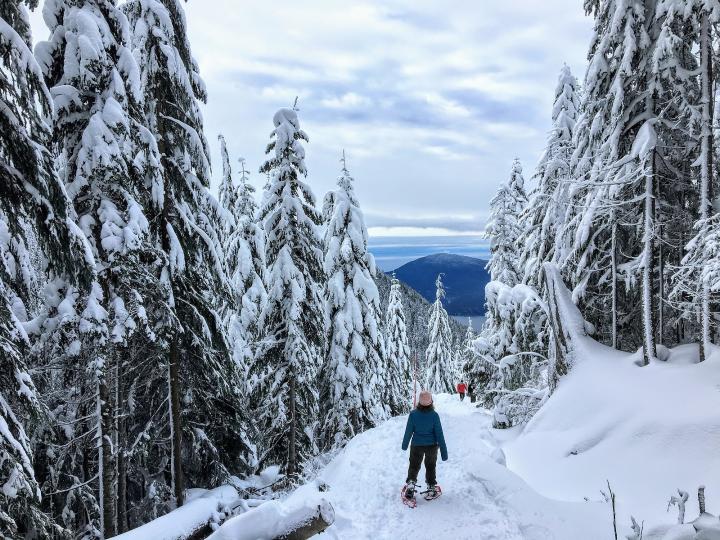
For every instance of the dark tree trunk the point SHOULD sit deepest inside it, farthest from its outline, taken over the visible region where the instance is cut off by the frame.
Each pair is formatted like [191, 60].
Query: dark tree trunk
[121, 447]
[292, 450]
[105, 457]
[614, 292]
[706, 165]
[661, 288]
[649, 290]
[175, 422]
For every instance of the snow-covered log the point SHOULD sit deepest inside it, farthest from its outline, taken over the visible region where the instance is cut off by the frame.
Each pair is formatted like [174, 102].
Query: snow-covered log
[301, 516]
[313, 523]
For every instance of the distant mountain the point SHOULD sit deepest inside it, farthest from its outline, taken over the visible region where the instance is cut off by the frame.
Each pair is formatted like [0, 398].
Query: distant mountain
[464, 278]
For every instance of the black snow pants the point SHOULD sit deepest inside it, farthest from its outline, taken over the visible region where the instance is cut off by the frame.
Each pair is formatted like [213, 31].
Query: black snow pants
[417, 453]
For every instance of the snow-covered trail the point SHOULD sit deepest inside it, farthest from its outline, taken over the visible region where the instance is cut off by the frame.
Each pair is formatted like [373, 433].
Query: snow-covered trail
[481, 498]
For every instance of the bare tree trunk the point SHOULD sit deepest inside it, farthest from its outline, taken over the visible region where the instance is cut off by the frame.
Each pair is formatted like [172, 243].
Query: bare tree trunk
[649, 348]
[121, 446]
[175, 422]
[706, 162]
[107, 524]
[661, 287]
[613, 255]
[292, 452]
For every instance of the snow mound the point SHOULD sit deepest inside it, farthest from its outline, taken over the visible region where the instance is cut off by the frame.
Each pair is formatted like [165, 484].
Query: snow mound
[647, 430]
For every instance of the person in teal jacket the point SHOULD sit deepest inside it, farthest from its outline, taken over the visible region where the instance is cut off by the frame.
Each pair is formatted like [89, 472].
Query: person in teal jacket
[425, 431]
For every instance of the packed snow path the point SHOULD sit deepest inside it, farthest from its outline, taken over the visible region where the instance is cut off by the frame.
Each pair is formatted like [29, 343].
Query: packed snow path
[481, 498]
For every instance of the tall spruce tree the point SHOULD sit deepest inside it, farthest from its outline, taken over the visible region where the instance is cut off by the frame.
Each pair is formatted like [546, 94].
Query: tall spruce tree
[635, 133]
[96, 88]
[38, 236]
[205, 420]
[592, 225]
[695, 282]
[284, 376]
[398, 393]
[244, 251]
[504, 230]
[547, 205]
[439, 359]
[354, 374]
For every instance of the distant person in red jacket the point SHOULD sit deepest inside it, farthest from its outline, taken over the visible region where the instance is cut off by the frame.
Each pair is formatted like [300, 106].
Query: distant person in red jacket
[462, 388]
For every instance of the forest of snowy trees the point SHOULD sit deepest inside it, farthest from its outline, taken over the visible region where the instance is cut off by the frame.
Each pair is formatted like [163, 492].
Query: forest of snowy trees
[157, 338]
[624, 205]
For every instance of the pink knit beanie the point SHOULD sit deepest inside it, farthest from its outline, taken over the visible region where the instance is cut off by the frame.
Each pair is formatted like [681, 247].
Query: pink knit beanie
[425, 398]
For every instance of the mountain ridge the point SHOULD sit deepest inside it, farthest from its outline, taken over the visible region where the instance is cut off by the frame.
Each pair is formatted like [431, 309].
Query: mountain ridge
[464, 279]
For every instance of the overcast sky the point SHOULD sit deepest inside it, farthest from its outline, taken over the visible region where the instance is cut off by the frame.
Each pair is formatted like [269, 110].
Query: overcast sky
[430, 100]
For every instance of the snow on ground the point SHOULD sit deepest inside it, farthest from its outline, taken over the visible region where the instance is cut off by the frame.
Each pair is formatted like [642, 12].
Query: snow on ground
[481, 497]
[648, 430]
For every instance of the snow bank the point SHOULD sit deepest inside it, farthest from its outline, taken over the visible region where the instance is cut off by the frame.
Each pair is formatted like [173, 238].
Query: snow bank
[201, 507]
[648, 430]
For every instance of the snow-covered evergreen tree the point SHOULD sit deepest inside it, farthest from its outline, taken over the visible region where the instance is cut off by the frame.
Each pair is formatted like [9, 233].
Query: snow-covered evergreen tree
[635, 132]
[439, 361]
[244, 251]
[398, 391]
[591, 231]
[192, 358]
[547, 205]
[354, 374]
[284, 376]
[38, 235]
[504, 228]
[96, 88]
[226, 192]
[416, 310]
[466, 351]
[694, 284]
[511, 361]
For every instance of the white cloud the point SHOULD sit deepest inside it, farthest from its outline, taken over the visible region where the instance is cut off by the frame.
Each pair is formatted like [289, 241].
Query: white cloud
[348, 100]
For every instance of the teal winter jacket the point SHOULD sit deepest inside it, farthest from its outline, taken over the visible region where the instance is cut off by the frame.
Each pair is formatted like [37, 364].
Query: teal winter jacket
[425, 430]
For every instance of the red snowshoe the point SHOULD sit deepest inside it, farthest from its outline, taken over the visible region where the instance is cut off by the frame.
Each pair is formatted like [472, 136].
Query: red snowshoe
[431, 493]
[407, 495]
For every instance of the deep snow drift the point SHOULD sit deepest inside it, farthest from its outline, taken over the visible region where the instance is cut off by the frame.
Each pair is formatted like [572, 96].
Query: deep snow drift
[481, 497]
[648, 430]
